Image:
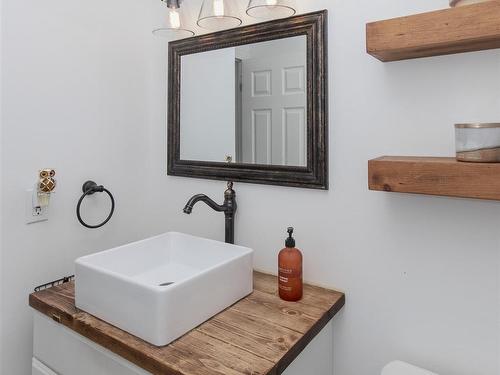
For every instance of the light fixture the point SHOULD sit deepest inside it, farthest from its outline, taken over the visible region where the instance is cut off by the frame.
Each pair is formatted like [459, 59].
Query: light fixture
[218, 15]
[270, 9]
[174, 26]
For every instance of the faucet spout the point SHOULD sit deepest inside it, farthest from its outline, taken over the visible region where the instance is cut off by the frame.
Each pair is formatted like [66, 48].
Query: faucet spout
[202, 198]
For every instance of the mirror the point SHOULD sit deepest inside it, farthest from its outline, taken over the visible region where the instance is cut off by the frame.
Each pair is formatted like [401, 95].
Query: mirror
[249, 100]
[250, 104]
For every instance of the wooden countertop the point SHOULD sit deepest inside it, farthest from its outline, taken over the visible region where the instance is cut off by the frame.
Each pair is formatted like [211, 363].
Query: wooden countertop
[259, 335]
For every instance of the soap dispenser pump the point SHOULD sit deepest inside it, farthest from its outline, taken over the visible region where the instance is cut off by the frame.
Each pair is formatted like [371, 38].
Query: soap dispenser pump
[290, 270]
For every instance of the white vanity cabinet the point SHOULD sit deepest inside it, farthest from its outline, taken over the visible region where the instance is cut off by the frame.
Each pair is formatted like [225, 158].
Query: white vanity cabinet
[60, 351]
[260, 334]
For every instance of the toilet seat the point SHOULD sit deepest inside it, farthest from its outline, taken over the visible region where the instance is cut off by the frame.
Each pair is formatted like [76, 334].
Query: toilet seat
[402, 368]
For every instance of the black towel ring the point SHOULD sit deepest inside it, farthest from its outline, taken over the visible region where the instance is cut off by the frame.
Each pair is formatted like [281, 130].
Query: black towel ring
[89, 188]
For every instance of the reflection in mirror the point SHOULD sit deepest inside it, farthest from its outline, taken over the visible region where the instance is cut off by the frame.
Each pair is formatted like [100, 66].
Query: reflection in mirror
[246, 104]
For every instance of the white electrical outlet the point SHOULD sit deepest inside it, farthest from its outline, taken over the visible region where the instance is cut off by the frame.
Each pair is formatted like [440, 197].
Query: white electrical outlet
[34, 214]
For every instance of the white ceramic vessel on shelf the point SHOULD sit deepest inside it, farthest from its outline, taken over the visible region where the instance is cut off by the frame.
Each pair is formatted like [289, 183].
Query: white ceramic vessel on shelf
[478, 142]
[458, 3]
[162, 287]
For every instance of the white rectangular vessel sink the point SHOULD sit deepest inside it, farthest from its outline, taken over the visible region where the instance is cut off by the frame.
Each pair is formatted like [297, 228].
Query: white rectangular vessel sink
[162, 287]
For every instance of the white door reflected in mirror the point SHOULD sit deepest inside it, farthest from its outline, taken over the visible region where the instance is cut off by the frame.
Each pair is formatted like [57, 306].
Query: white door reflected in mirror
[247, 102]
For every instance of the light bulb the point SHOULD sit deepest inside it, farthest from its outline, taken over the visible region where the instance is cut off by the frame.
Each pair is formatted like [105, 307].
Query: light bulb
[219, 8]
[175, 19]
[272, 2]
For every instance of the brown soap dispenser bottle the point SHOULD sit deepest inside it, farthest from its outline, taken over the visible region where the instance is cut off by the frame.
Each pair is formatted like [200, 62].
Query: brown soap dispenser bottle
[290, 270]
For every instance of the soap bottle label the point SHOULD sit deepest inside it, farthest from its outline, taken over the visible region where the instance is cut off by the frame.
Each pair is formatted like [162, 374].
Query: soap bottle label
[285, 275]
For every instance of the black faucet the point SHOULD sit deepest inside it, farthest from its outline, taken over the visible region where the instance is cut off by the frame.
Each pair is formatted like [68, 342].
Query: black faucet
[228, 207]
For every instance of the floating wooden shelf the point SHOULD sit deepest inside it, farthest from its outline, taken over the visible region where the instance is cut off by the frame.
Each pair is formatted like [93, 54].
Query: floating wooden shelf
[454, 30]
[435, 176]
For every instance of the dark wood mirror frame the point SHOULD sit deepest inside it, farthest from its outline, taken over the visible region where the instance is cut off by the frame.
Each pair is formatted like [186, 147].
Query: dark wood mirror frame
[315, 175]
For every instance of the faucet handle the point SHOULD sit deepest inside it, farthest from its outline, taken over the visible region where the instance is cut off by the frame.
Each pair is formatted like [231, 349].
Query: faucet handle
[229, 193]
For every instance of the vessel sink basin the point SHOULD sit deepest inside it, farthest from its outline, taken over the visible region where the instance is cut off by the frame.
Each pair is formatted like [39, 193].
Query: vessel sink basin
[162, 287]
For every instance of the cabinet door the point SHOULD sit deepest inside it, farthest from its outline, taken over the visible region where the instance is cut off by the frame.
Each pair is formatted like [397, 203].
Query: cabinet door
[68, 353]
[39, 368]
[317, 357]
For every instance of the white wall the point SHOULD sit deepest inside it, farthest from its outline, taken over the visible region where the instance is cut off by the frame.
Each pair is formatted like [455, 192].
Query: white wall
[208, 103]
[1, 172]
[421, 273]
[84, 92]
[76, 79]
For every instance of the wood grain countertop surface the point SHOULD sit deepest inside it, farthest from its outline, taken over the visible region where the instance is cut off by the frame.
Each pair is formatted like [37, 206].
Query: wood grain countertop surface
[259, 335]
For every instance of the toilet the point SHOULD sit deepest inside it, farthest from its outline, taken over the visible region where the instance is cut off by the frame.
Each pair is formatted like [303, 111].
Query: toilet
[402, 368]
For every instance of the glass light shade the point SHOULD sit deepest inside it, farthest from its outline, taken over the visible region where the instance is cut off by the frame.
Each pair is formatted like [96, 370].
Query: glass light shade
[218, 15]
[270, 9]
[174, 26]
